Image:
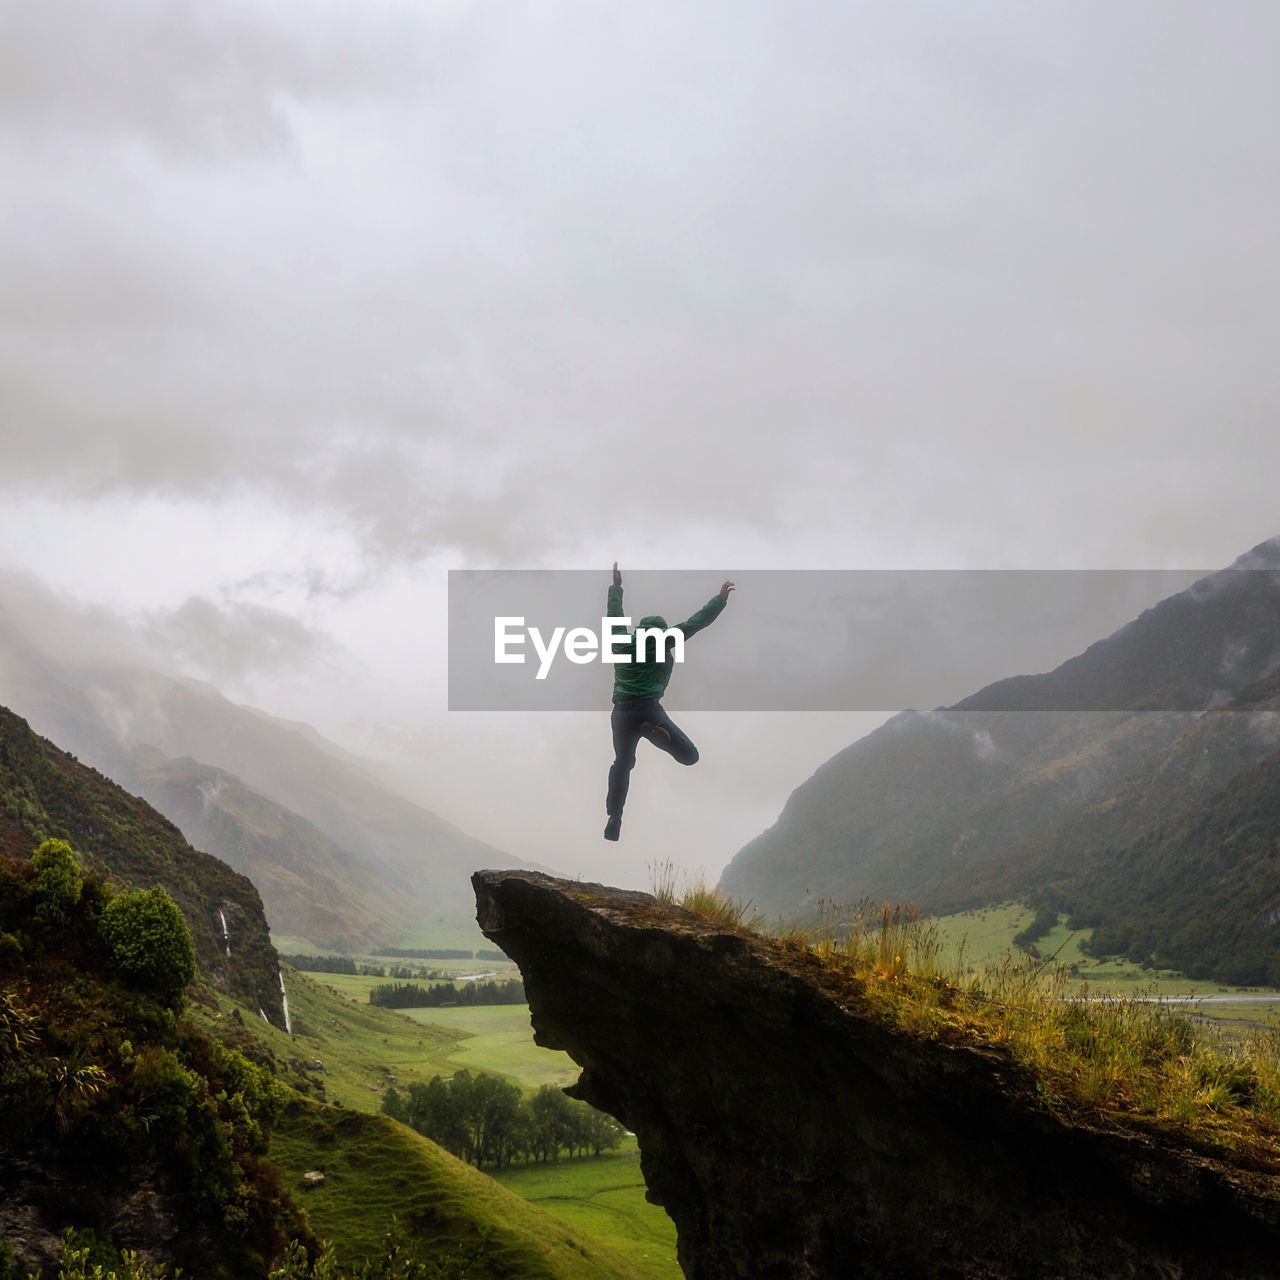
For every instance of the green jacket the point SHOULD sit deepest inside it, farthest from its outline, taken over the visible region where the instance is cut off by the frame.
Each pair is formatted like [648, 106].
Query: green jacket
[648, 679]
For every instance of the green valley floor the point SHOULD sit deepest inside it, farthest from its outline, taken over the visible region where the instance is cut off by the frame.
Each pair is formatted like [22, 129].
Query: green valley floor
[352, 1051]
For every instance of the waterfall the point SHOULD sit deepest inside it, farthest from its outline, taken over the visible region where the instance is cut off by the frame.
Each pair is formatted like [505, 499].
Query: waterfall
[226, 937]
[284, 1000]
[263, 1015]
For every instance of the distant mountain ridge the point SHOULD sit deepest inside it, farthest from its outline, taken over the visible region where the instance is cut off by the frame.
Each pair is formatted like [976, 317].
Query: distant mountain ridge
[986, 800]
[340, 857]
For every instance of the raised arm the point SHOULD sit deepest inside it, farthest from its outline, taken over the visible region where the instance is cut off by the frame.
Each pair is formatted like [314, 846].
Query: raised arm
[615, 594]
[708, 613]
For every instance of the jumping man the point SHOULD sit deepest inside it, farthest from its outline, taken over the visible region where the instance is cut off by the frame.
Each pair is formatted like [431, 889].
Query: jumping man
[638, 687]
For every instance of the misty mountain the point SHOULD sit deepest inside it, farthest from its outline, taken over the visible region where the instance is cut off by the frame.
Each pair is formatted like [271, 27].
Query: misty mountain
[313, 887]
[340, 857]
[1015, 789]
[1183, 779]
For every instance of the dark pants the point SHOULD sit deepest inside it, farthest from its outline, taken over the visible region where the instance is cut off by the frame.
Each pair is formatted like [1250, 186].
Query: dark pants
[628, 719]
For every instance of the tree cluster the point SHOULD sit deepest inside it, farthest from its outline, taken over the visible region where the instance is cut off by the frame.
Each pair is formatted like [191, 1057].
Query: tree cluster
[409, 995]
[321, 964]
[345, 964]
[485, 1119]
[426, 953]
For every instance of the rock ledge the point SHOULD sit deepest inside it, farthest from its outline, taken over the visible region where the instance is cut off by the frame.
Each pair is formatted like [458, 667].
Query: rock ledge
[790, 1133]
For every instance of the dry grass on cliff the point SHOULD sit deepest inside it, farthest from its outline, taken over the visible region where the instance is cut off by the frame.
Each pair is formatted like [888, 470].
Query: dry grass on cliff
[1132, 1061]
[681, 887]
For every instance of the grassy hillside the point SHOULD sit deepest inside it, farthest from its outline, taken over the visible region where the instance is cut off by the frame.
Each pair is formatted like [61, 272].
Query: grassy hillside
[604, 1197]
[362, 1048]
[375, 1167]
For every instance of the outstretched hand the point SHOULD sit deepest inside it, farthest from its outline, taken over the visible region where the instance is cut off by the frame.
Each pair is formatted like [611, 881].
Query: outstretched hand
[725, 588]
[617, 575]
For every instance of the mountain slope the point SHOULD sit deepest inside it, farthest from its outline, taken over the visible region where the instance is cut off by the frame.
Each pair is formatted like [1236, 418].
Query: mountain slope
[270, 796]
[1200, 893]
[116, 1115]
[1178, 780]
[947, 807]
[46, 792]
[155, 1126]
[310, 886]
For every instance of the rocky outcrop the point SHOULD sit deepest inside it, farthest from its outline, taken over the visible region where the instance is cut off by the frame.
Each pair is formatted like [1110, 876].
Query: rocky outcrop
[135, 1208]
[789, 1132]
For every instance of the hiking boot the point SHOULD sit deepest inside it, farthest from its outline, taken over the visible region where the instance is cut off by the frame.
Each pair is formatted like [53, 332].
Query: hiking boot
[613, 828]
[656, 733]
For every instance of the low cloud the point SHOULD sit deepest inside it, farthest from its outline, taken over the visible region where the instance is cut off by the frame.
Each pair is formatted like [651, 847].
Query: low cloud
[227, 642]
[498, 282]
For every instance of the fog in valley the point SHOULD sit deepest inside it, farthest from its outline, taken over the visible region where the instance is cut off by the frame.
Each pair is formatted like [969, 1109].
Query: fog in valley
[315, 311]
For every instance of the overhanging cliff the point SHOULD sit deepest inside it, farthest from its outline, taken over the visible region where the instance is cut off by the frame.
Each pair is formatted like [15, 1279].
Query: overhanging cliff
[790, 1132]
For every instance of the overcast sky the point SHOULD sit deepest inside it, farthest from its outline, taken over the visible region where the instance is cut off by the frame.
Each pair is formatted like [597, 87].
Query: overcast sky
[303, 304]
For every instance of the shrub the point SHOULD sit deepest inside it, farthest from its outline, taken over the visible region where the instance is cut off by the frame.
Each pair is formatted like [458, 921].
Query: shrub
[149, 941]
[78, 1263]
[18, 1034]
[58, 881]
[397, 1260]
[163, 1086]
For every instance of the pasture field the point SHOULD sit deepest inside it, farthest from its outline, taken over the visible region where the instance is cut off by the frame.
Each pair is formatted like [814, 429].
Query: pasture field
[498, 1038]
[988, 933]
[604, 1197]
[462, 934]
[356, 986]
[291, 944]
[487, 1037]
